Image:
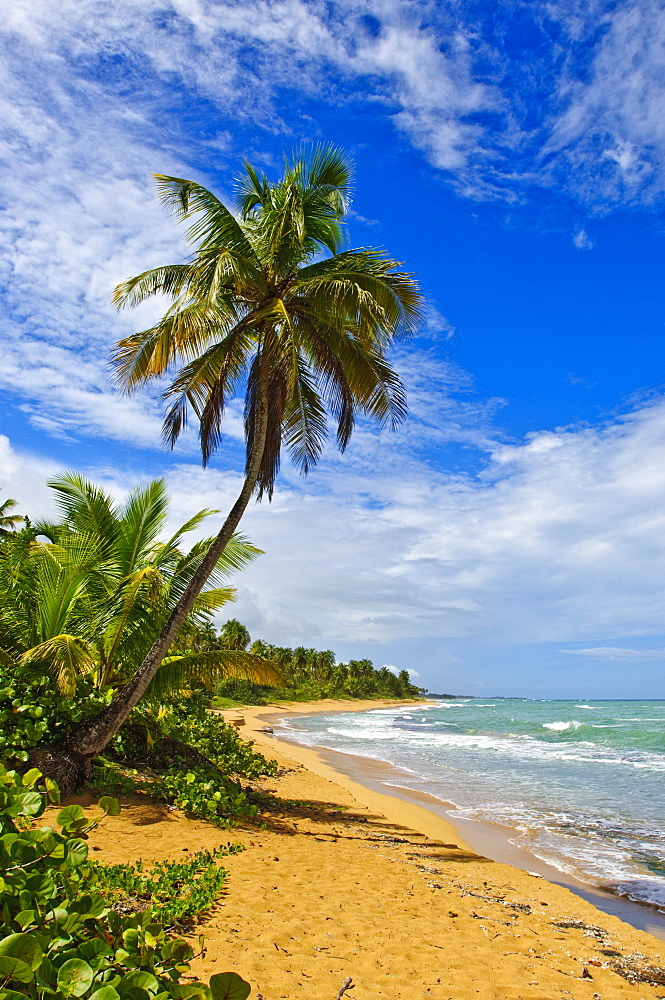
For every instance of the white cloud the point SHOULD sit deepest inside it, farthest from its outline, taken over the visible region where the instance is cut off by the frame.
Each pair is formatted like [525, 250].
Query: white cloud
[582, 240]
[608, 137]
[413, 674]
[620, 654]
[562, 538]
[89, 108]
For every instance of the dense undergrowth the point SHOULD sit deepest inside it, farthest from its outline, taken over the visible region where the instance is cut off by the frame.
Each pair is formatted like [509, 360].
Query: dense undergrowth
[60, 937]
[180, 754]
[179, 891]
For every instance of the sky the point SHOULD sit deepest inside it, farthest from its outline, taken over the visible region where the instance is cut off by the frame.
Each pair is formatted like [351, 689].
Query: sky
[509, 538]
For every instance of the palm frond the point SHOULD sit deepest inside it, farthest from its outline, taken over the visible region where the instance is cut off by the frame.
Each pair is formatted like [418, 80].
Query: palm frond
[86, 508]
[66, 657]
[141, 520]
[171, 280]
[177, 673]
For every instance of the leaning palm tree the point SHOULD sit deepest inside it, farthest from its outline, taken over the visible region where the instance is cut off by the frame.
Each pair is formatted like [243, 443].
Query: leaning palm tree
[272, 305]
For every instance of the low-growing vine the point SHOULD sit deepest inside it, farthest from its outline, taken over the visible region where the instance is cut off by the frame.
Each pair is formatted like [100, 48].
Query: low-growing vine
[58, 936]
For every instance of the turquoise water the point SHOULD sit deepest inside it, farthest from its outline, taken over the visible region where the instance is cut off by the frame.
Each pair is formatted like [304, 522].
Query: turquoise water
[581, 784]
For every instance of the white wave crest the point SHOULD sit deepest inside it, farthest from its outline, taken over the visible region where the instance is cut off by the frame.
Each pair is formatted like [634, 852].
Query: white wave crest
[561, 727]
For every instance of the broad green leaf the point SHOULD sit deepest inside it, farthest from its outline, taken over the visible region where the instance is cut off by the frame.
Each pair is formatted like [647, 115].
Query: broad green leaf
[52, 791]
[229, 986]
[25, 918]
[31, 803]
[31, 776]
[133, 992]
[75, 977]
[105, 993]
[77, 852]
[188, 992]
[70, 816]
[25, 947]
[14, 968]
[110, 805]
[143, 979]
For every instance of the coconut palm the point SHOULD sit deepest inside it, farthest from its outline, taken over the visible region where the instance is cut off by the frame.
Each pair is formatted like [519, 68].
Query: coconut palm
[270, 303]
[91, 598]
[8, 522]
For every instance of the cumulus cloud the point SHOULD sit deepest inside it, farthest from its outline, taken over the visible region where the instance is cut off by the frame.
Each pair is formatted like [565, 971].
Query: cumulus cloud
[395, 670]
[561, 539]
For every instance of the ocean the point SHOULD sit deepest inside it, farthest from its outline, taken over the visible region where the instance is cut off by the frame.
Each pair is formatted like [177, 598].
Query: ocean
[581, 784]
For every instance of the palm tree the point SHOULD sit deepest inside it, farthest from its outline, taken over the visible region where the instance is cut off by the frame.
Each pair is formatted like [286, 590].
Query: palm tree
[234, 635]
[271, 303]
[8, 522]
[91, 598]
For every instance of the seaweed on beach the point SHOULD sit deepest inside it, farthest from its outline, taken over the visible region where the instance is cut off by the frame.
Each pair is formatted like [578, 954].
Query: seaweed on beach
[590, 930]
[637, 969]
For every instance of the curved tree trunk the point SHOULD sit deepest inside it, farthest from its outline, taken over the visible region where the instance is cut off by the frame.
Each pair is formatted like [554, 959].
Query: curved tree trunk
[68, 762]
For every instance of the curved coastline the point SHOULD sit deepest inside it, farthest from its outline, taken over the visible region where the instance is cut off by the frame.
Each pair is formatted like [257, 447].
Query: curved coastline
[377, 784]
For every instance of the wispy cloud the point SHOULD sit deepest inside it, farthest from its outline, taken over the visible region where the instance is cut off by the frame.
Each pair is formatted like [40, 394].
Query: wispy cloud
[620, 654]
[582, 240]
[608, 134]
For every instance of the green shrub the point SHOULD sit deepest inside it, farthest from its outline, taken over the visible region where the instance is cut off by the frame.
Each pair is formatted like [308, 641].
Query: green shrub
[241, 690]
[176, 891]
[191, 723]
[31, 709]
[201, 792]
[58, 939]
[204, 794]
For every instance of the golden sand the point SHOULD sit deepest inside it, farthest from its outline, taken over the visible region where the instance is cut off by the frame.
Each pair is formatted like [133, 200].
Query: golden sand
[362, 885]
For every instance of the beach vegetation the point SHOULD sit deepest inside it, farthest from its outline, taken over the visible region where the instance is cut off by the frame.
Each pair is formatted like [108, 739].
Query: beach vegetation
[308, 675]
[178, 892]
[271, 304]
[59, 936]
[86, 595]
[9, 522]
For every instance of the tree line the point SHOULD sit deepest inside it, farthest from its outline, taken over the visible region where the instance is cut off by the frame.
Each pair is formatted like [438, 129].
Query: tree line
[307, 674]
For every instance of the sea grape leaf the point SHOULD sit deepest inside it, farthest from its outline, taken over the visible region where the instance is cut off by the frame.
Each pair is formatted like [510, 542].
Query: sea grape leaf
[143, 979]
[25, 947]
[229, 986]
[110, 805]
[75, 977]
[71, 817]
[77, 852]
[15, 968]
[105, 993]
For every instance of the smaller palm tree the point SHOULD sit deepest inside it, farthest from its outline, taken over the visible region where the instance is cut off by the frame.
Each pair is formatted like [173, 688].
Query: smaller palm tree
[90, 599]
[9, 522]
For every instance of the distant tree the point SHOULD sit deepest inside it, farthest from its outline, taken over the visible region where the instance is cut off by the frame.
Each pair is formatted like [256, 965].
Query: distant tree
[234, 635]
[9, 522]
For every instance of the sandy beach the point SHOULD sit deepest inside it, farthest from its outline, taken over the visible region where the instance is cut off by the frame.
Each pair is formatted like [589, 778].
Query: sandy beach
[339, 880]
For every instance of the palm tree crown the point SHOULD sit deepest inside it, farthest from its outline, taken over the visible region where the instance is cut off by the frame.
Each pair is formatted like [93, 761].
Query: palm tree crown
[271, 302]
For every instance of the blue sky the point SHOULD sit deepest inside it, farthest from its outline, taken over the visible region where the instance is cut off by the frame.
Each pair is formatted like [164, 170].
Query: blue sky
[511, 537]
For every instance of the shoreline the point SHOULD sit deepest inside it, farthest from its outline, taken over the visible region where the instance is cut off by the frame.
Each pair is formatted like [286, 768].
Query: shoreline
[339, 882]
[427, 813]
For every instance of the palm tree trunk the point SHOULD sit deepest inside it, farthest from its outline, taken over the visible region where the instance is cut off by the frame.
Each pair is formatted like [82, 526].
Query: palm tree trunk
[68, 762]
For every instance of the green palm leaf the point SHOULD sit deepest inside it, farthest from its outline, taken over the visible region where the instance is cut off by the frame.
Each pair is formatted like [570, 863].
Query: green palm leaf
[178, 673]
